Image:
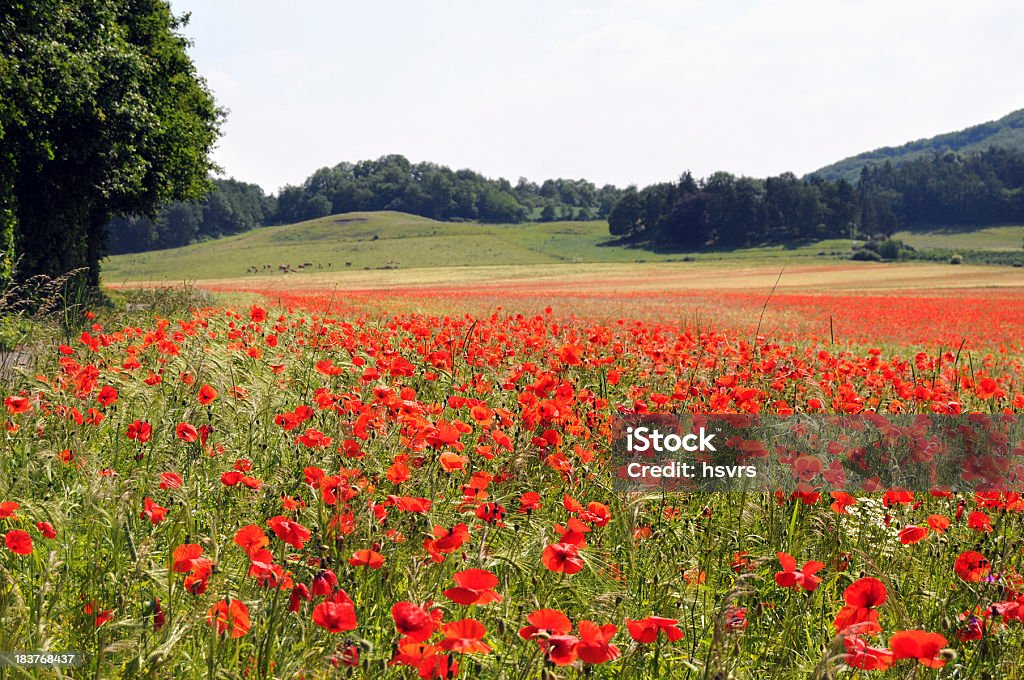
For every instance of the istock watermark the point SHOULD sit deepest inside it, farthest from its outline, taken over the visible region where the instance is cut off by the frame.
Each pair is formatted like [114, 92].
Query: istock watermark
[818, 453]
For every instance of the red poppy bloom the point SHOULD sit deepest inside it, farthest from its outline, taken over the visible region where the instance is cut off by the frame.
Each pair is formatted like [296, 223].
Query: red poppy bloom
[594, 646]
[972, 566]
[865, 592]
[464, 637]
[474, 587]
[140, 431]
[646, 630]
[545, 623]
[860, 655]
[789, 577]
[917, 644]
[912, 534]
[367, 558]
[7, 509]
[184, 556]
[231, 617]
[938, 523]
[186, 433]
[206, 395]
[17, 405]
[446, 541]
[46, 529]
[170, 480]
[18, 542]
[107, 396]
[153, 512]
[412, 621]
[562, 557]
[337, 613]
[251, 538]
[979, 521]
[289, 531]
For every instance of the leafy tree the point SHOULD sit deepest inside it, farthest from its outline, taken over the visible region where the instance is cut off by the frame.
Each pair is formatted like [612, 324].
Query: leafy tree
[101, 113]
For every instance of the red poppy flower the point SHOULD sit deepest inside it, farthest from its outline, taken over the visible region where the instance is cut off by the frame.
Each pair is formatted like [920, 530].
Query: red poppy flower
[594, 646]
[186, 433]
[545, 623]
[107, 396]
[917, 644]
[562, 557]
[140, 431]
[646, 630]
[367, 558]
[7, 509]
[412, 621]
[229, 617]
[46, 529]
[464, 637]
[789, 577]
[972, 566]
[938, 523]
[865, 592]
[979, 521]
[251, 538]
[337, 614]
[17, 405]
[912, 534]
[206, 395]
[18, 542]
[446, 541]
[860, 655]
[170, 480]
[289, 531]
[184, 556]
[474, 587]
[153, 512]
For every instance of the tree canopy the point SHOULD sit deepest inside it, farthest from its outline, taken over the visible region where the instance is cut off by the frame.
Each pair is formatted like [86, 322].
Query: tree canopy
[727, 211]
[102, 113]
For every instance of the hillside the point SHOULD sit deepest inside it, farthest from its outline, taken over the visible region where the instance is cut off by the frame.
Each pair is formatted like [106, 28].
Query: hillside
[397, 241]
[1007, 132]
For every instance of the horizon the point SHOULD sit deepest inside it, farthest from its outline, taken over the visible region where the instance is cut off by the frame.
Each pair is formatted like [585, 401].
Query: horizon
[579, 91]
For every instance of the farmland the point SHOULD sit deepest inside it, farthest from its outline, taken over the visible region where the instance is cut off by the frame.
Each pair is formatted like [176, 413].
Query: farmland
[405, 472]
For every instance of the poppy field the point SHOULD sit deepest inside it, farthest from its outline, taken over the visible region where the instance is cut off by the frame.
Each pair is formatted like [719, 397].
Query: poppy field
[322, 483]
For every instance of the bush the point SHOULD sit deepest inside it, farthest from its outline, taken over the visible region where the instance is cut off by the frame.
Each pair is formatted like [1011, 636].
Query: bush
[956, 258]
[866, 255]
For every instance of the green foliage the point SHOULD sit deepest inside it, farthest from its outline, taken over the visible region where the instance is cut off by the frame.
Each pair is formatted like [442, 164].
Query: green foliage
[730, 212]
[1005, 133]
[101, 113]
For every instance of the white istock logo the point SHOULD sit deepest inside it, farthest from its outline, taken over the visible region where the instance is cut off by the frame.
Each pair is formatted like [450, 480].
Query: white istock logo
[638, 440]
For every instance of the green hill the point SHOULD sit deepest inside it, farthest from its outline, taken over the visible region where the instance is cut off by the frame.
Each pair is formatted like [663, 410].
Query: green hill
[1007, 132]
[393, 240]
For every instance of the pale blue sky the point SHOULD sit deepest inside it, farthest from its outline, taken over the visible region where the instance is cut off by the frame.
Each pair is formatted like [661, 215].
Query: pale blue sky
[619, 91]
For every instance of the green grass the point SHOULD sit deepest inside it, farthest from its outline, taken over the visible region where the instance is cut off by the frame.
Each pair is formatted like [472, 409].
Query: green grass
[392, 240]
[1001, 239]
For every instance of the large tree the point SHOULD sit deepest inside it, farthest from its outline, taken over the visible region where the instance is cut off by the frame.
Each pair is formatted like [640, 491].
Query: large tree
[102, 113]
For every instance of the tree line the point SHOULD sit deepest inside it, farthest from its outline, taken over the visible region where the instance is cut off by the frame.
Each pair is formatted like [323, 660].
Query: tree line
[724, 210]
[387, 183]
[101, 113]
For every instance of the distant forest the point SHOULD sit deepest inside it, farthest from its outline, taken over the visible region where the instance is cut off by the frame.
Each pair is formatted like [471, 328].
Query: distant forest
[388, 183]
[722, 210]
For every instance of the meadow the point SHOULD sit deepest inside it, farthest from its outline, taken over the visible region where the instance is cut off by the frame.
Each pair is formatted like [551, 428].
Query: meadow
[384, 241]
[405, 473]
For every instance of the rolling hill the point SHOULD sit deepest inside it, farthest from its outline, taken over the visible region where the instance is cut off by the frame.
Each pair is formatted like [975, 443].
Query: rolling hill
[398, 241]
[1007, 132]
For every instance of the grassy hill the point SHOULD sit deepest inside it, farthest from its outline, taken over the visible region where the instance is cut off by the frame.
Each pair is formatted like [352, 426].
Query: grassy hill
[398, 241]
[1007, 132]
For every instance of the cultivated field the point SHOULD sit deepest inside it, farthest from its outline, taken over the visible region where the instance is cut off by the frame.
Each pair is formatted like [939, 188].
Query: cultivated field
[405, 473]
